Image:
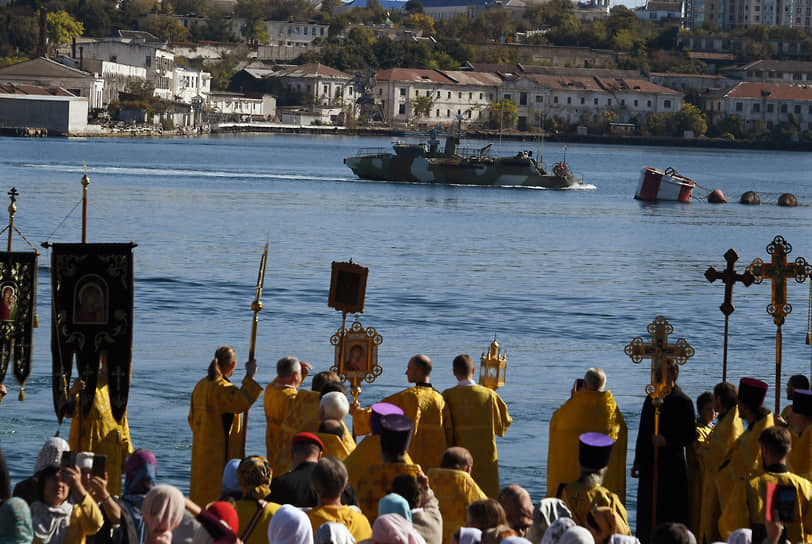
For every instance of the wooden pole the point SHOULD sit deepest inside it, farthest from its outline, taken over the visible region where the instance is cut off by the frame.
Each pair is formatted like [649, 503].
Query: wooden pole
[724, 355]
[655, 470]
[778, 338]
[85, 183]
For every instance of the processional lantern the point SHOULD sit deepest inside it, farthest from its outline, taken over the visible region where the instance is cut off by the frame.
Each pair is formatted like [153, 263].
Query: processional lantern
[356, 347]
[779, 270]
[492, 367]
[660, 351]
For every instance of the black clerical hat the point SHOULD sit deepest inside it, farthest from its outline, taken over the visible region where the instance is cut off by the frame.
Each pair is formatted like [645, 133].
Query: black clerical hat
[594, 450]
[396, 433]
[752, 391]
[802, 402]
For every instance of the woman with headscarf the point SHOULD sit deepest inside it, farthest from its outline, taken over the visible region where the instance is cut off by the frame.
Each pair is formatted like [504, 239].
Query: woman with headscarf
[577, 535]
[49, 455]
[216, 421]
[394, 529]
[546, 513]
[15, 522]
[55, 519]
[333, 533]
[395, 504]
[290, 526]
[162, 510]
[140, 474]
[554, 533]
[253, 509]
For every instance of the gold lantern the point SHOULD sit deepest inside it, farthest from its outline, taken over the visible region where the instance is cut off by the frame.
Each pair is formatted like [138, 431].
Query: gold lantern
[493, 366]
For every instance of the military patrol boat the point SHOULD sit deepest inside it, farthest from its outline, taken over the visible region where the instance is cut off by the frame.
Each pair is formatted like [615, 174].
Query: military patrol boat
[427, 163]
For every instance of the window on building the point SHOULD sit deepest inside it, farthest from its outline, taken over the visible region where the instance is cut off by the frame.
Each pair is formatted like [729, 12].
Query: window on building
[608, 101]
[490, 97]
[622, 101]
[539, 99]
[481, 95]
[438, 113]
[582, 100]
[113, 58]
[595, 101]
[438, 96]
[635, 103]
[783, 108]
[449, 94]
[666, 103]
[321, 31]
[305, 31]
[148, 62]
[569, 100]
[459, 95]
[428, 94]
[402, 91]
[648, 103]
[522, 99]
[417, 92]
[459, 112]
[448, 113]
[756, 108]
[798, 108]
[770, 108]
[326, 89]
[380, 91]
[402, 109]
[739, 106]
[506, 97]
[470, 96]
[555, 100]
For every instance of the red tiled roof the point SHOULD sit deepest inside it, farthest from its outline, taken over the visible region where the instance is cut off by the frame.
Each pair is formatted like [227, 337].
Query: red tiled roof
[473, 78]
[634, 85]
[773, 91]
[412, 74]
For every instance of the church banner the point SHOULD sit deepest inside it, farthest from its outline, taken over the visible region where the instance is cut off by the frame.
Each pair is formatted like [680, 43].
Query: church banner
[92, 286]
[18, 301]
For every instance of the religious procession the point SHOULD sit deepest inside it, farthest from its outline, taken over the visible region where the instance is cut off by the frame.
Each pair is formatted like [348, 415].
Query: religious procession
[417, 467]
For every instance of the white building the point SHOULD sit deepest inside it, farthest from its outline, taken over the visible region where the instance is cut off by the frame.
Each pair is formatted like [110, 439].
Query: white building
[662, 10]
[31, 106]
[191, 84]
[224, 106]
[49, 73]
[323, 85]
[117, 77]
[764, 104]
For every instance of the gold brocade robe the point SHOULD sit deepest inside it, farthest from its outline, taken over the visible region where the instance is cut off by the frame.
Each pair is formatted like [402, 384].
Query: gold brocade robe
[745, 507]
[365, 454]
[216, 421]
[103, 435]
[424, 406]
[474, 416]
[278, 399]
[800, 456]
[695, 473]
[376, 481]
[743, 460]
[355, 522]
[455, 490]
[303, 408]
[246, 510]
[588, 411]
[334, 446]
[581, 499]
[728, 428]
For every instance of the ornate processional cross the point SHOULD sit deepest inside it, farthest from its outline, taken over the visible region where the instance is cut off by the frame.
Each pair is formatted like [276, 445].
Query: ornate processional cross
[779, 270]
[728, 277]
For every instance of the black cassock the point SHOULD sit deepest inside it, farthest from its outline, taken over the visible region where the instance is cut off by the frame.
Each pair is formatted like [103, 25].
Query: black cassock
[673, 490]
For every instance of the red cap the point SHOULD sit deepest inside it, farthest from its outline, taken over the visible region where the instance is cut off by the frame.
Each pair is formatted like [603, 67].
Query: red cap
[310, 438]
[752, 391]
[225, 513]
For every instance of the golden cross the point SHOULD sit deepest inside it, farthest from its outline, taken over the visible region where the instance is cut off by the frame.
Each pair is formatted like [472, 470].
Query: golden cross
[660, 351]
[779, 270]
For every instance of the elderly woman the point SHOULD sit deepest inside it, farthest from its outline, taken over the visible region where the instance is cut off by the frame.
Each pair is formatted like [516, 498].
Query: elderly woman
[290, 526]
[216, 422]
[57, 521]
[49, 455]
[163, 509]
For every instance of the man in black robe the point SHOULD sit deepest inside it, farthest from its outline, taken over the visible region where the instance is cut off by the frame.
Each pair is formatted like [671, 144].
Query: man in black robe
[677, 430]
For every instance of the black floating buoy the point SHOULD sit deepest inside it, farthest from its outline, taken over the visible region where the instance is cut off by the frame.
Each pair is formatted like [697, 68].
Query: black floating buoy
[716, 197]
[750, 198]
[787, 199]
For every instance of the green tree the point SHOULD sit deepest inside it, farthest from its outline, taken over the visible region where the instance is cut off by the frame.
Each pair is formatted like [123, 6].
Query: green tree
[62, 27]
[414, 6]
[691, 118]
[421, 21]
[165, 27]
[421, 106]
[732, 125]
[503, 114]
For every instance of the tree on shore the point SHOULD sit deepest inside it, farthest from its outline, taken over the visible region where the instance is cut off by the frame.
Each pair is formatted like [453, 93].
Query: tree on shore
[503, 114]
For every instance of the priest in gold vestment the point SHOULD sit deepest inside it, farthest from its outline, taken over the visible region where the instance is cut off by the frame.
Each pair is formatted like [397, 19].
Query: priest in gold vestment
[474, 416]
[422, 404]
[721, 439]
[278, 397]
[706, 413]
[101, 433]
[743, 460]
[215, 417]
[590, 410]
[368, 450]
[800, 457]
[454, 488]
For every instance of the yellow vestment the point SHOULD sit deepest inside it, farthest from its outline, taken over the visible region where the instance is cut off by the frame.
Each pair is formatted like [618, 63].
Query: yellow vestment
[355, 522]
[581, 499]
[588, 411]
[246, 510]
[474, 416]
[334, 446]
[303, 408]
[745, 507]
[743, 460]
[455, 490]
[278, 399]
[85, 520]
[800, 456]
[365, 454]
[376, 481]
[695, 473]
[103, 435]
[424, 406]
[216, 421]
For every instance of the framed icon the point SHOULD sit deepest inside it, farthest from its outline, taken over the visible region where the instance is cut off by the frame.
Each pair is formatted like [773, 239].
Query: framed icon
[348, 286]
[356, 357]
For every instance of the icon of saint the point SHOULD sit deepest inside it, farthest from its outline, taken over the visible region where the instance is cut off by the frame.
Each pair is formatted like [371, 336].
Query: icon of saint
[356, 359]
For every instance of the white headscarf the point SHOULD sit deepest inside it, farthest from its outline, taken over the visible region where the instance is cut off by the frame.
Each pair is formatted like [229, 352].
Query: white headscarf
[553, 534]
[549, 510]
[623, 539]
[577, 535]
[394, 529]
[162, 511]
[51, 453]
[289, 525]
[333, 533]
[51, 522]
[470, 535]
[740, 536]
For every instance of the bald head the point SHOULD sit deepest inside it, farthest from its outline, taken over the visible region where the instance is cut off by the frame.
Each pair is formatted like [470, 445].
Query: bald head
[457, 458]
[518, 507]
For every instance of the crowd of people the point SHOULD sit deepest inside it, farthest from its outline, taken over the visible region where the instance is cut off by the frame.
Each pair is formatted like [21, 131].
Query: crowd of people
[421, 467]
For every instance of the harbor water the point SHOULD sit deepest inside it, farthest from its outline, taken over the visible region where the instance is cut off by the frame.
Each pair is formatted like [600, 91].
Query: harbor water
[562, 279]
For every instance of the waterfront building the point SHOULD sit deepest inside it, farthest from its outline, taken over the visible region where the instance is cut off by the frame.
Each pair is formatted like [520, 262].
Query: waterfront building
[320, 84]
[236, 107]
[762, 104]
[773, 71]
[31, 106]
[49, 73]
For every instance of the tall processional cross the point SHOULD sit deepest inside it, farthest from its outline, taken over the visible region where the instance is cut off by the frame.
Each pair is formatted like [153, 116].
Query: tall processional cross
[729, 277]
[660, 351]
[779, 271]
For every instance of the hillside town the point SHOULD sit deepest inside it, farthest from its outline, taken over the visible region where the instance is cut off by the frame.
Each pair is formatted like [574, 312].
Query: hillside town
[680, 69]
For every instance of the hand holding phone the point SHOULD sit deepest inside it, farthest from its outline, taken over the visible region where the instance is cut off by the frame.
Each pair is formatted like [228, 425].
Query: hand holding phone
[99, 466]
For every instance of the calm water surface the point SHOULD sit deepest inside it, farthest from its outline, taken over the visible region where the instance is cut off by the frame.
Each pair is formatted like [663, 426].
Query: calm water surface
[563, 279]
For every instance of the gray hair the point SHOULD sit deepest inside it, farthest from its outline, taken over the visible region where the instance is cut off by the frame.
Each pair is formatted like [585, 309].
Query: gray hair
[334, 405]
[595, 379]
[287, 367]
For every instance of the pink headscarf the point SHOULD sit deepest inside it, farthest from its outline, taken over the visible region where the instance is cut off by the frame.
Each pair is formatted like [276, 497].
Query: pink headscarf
[163, 511]
[394, 529]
